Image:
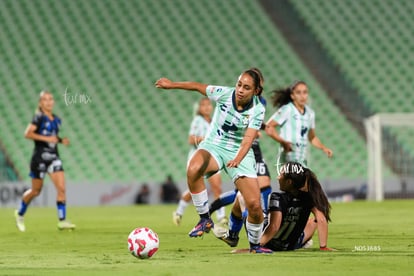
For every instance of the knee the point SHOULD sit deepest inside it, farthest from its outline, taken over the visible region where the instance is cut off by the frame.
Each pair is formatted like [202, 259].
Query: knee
[255, 209]
[194, 170]
[35, 192]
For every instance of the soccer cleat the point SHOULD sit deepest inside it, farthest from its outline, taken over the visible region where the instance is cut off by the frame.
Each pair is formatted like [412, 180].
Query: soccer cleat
[203, 226]
[308, 244]
[64, 224]
[176, 218]
[257, 249]
[232, 242]
[223, 234]
[19, 221]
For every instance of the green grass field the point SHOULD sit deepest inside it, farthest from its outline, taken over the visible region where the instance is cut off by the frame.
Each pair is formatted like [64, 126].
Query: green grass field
[371, 238]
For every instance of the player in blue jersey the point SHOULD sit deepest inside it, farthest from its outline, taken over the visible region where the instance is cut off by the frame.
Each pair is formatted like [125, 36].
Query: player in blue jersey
[198, 129]
[296, 122]
[44, 130]
[289, 226]
[237, 118]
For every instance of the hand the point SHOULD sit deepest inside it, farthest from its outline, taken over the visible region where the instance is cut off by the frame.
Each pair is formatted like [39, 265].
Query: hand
[233, 164]
[53, 139]
[163, 83]
[65, 141]
[324, 248]
[328, 152]
[287, 146]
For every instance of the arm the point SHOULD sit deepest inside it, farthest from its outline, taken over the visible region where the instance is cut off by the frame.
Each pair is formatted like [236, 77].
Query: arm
[165, 83]
[30, 133]
[245, 146]
[195, 140]
[322, 225]
[318, 144]
[272, 133]
[275, 220]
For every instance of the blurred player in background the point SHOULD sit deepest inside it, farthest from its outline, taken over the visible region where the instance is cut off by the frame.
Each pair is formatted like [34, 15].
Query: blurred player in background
[237, 118]
[44, 130]
[289, 226]
[198, 129]
[296, 121]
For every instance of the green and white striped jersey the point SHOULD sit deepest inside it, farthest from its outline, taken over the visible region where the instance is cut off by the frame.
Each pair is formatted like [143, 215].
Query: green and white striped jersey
[228, 124]
[199, 127]
[294, 127]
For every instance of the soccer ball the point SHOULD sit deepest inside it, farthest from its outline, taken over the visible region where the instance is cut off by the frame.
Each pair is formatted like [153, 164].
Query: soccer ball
[143, 243]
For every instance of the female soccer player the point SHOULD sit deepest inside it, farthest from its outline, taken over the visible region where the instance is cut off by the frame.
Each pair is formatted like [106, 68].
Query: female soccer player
[231, 236]
[289, 226]
[44, 130]
[237, 118]
[297, 124]
[198, 129]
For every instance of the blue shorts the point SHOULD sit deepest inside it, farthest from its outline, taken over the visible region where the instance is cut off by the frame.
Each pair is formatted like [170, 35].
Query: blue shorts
[247, 166]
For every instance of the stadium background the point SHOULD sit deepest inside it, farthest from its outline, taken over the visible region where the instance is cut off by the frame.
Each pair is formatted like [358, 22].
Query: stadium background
[101, 58]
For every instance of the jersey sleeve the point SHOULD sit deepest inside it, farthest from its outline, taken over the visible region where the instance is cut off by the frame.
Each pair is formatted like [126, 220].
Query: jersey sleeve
[214, 92]
[37, 119]
[281, 115]
[276, 202]
[195, 127]
[258, 117]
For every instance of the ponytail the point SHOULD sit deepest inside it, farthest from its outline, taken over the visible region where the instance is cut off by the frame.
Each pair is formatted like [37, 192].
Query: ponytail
[281, 96]
[320, 201]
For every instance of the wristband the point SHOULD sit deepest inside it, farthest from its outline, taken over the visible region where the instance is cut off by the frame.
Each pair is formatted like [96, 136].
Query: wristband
[59, 140]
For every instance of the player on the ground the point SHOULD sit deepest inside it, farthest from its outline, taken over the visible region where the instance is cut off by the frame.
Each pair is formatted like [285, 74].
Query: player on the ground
[44, 130]
[237, 118]
[296, 121]
[289, 226]
[198, 129]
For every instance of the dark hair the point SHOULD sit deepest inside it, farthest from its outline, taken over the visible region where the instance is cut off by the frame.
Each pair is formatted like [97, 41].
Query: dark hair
[258, 79]
[300, 176]
[281, 96]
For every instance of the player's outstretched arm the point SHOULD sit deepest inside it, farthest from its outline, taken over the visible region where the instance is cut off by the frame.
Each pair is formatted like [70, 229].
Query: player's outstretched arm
[322, 226]
[275, 220]
[165, 83]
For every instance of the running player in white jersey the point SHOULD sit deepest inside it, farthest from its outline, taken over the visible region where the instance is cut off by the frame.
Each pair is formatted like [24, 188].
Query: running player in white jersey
[237, 118]
[296, 121]
[198, 129]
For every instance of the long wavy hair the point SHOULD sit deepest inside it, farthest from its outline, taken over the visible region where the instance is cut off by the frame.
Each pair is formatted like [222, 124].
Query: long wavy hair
[301, 176]
[281, 96]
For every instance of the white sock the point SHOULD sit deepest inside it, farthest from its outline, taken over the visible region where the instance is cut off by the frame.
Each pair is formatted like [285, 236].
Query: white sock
[254, 232]
[220, 213]
[200, 202]
[182, 204]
